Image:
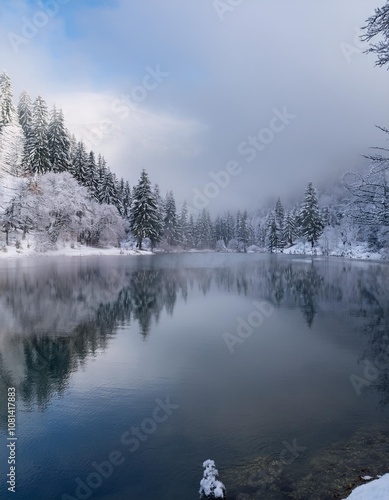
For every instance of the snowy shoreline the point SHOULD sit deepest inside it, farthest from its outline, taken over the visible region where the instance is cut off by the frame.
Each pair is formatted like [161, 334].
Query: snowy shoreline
[374, 489]
[360, 253]
[77, 251]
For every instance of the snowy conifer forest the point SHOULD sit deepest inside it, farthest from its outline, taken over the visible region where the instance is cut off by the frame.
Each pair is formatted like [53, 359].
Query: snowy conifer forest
[54, 192]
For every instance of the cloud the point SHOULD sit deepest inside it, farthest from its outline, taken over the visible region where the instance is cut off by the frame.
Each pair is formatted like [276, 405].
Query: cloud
[225, 78]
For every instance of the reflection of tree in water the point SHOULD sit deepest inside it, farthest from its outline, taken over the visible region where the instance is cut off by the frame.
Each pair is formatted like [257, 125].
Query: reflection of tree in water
[145, 291]
[54, 320]
[373, 309]
[307, 286]
[304, 286]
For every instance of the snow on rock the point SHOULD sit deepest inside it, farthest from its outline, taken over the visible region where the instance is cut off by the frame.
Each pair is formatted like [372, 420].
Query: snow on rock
[210, 487]
[374, 490]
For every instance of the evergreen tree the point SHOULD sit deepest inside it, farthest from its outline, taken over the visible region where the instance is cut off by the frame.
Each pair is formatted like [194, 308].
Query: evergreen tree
[252, 233]
[219, 228]
[279, 217]
[242, 230]
[80, 165]
[311, 224]
[229, 229]
[37, 149]
[7, 108]
[191, 232]
[159, 201]
[260, 234]
[108, 190]
[11, 149]
[170, 220]
[272, 234]
[73, 150]
[101, 175]
[126, 200]
[59, 142]
[116, 199]
[204, 230]
[91, 175]
[25, 112]
[290, 229]
[237, 224]
[144, 217]
[183, 223]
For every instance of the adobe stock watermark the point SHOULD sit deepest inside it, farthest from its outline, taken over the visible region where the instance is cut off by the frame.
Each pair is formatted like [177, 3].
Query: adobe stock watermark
[371, 371]
[248, 149]
[260, 479]
[123, 106]
[31, 25]
[222, 7]
[246, 327]
[356, 47]
[131, 440]
[151, 80]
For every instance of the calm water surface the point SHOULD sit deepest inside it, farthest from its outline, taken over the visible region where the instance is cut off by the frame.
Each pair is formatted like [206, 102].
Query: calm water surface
[159, 363]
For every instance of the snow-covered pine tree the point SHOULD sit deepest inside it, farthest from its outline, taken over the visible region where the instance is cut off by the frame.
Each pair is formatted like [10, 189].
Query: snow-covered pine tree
[116, 198]
[144, 218]
[280, 221]
[260, 233]
[91, 175]
[25, 112]
[237, 224]
[101, 174]
[59, 142]
[289, 229]
[73, 149]
[218, 228]
[272, 234]
[229, 228]
[159, 201]
[25, 119]
[242, 230]
[79, 168]
[127, 200]
[184, 226]
[38, 159]
[170, 220]
[192, 232]
[7, 108]
[204, 230]
[311, 224]
[251, 232]
[106, 188]
[11, 149]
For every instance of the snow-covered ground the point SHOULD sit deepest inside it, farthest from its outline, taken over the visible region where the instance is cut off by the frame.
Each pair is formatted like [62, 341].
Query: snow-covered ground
[356, 251]
[374, 490]
[78, 251]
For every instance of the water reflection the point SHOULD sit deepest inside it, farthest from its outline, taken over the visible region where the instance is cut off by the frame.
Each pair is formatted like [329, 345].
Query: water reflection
[55, 318]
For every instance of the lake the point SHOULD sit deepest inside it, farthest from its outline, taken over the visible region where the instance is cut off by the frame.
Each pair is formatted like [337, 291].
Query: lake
[131, 371]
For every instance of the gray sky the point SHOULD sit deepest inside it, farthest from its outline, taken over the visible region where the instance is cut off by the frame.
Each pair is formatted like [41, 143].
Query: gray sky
[224, 76]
